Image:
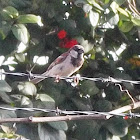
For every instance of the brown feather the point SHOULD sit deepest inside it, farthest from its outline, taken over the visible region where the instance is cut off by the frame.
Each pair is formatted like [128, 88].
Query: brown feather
[60, 68]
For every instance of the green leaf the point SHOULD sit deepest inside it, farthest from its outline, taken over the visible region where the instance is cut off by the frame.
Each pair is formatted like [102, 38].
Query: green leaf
[7, 114]
[125, 26]
[6, 129]
[45, 101]
[94, 18]
[95, 4]
[89, 87]
[27, 88]
[116, 138]
[106, 1]
[103, 105]
[114, 7]
[2, 35]
[124, 18]
[87, 46]
[120, 2]
[5, 97]
[60, 125]
[29, 18]
[87, 130]
[51, 11]
[87, 8]
[125, 76]
[20, 57]
[114, 20]
[21, 4]
[21, 33]
[44, 98]
[4, 86]
[79, 3]
[122, 11]
[69, 25]
[27, 130]
[25, 101]
[5, 28]
[82, 104]
[117, 126]
[24, 113]
[10, 12]
[136, 21]
[113, 94]
[48, 133]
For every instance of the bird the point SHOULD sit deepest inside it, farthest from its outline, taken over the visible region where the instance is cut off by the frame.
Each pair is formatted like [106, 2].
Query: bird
[65, 65]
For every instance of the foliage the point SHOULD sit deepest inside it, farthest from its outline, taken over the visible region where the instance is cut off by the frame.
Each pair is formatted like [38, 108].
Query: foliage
[31, 30]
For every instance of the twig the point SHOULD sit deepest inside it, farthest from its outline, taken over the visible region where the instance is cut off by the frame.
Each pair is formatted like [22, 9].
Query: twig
[133, 7]
[127, 92]
[134, 3]
[71, 117]
[124, 109]
[52, 119]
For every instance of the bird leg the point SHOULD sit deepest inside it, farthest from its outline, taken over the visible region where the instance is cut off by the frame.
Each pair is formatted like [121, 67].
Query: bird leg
[57, 78]
[76, 80]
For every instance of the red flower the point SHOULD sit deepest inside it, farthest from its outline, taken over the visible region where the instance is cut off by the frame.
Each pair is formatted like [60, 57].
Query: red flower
[62, 34]
[67, 43]
[70, 43]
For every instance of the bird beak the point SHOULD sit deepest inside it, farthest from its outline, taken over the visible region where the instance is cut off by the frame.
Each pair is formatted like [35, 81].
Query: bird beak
[81, 51]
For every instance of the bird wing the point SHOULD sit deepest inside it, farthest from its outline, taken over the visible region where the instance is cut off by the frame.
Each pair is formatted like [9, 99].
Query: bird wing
[58, 60]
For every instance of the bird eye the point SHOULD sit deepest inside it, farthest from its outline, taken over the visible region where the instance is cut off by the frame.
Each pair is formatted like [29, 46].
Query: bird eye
[78, 49]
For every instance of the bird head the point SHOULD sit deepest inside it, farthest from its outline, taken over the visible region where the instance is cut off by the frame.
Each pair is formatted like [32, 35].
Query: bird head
[76, 51]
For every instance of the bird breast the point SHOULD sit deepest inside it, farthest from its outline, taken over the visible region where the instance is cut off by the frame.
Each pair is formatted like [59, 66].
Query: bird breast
[66, 68]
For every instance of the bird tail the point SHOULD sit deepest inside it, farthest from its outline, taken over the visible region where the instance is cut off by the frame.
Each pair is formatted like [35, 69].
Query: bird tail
[37, 80]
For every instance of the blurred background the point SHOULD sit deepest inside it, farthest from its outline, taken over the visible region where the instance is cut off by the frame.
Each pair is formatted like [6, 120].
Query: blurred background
[35, 32]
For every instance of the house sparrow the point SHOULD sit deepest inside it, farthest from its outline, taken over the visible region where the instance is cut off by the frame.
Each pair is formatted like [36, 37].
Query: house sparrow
[65, 65]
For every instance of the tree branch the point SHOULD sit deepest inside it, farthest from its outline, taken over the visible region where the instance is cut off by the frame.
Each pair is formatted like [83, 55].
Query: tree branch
[133, 8]
[71, 117]
[124, 109]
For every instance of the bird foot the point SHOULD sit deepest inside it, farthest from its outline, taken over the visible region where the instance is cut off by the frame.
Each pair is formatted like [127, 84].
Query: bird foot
[57, 78]
[76, 80]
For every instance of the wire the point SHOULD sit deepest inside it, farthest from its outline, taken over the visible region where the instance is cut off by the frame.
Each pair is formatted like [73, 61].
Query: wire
[117, 82]
[58, 111]
[109, 79]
